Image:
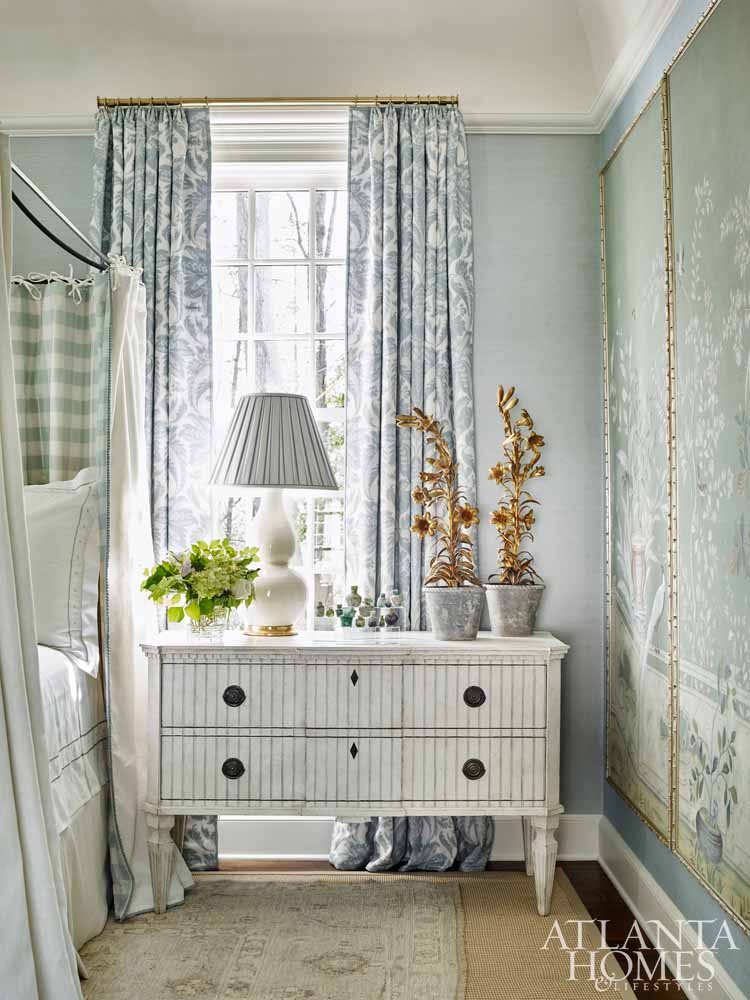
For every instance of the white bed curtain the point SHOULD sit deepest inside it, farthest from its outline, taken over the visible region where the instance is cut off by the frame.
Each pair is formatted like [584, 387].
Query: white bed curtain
[37, 958]
[130, 618]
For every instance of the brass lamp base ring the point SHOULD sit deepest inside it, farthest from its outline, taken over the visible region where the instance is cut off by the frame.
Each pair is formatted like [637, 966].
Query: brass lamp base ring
[270, 630]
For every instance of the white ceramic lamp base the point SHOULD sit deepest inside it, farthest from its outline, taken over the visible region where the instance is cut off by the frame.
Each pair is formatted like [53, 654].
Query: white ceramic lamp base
[280, 591]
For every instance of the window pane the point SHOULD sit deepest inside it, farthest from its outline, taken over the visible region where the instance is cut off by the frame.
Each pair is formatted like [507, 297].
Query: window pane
[282, 366]
[333, 439]
[281, 299]
[328, 551]
[235, 515]
[297, 510]
[330, 373]
[330, 294]
[328, 543]
[229, 301]
[330, 224]
[282, 224]
[231, 380]
[229, 224]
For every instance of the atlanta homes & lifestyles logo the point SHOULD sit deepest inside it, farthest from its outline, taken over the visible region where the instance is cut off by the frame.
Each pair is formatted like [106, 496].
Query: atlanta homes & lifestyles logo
[687, 951]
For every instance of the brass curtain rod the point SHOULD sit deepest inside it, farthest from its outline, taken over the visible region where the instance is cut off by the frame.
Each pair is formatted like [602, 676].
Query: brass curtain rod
[119, 102]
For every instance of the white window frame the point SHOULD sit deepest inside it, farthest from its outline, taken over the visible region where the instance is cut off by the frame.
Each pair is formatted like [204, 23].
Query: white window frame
[249, 178]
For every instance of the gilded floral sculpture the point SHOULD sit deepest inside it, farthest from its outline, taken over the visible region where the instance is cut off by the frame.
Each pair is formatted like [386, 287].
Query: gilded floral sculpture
[514, 515]
[446, 515]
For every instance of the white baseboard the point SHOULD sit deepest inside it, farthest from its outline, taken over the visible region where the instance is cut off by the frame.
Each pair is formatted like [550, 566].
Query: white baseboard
[307, 838]
[649, 902]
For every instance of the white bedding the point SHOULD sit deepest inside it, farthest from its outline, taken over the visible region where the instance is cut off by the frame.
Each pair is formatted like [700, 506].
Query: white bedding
[76, 732]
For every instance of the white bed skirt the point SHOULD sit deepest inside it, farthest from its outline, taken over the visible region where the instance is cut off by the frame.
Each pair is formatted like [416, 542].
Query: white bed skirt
[85, 858]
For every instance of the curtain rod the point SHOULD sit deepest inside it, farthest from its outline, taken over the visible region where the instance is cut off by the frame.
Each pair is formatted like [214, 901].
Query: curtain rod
[117, 102]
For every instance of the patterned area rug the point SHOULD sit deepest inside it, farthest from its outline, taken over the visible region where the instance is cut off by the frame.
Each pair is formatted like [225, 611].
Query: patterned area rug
[347, 937]
[287, 939]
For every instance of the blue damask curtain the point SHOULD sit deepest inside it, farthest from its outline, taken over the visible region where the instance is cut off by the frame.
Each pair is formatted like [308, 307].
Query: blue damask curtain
[410, 310]
[152, 206]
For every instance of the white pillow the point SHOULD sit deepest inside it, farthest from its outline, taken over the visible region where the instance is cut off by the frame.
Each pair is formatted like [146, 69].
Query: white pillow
[63, 526]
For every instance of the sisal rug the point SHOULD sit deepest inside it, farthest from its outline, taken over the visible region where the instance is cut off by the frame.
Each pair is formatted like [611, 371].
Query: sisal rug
[345, 937]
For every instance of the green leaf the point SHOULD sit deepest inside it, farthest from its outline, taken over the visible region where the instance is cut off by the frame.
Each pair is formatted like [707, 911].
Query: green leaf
[206, 606]
[175, 614]
[193, 611]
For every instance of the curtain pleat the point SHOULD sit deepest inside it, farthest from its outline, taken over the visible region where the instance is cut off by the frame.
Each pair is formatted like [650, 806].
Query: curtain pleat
[151, 205]
[410, 302]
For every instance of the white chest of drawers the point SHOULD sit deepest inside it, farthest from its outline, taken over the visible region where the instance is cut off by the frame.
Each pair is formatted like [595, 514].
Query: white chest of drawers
[392, 725]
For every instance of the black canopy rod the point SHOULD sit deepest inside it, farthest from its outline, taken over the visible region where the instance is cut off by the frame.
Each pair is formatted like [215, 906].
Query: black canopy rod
[103, 262]
[55, 239]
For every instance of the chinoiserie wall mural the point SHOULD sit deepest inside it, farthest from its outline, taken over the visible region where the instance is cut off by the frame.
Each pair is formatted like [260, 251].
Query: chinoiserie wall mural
[678, 440]
[638, 719]
[710, 141]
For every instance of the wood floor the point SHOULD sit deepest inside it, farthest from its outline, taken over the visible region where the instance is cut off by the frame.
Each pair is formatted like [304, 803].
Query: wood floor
[597, 892]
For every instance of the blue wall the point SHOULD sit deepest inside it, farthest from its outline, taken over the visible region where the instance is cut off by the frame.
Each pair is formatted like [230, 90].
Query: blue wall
[679, 884]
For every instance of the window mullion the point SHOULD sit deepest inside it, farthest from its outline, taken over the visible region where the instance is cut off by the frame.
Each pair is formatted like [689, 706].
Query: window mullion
[251, 286]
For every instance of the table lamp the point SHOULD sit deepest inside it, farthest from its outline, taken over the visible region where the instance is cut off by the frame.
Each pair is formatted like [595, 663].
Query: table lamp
[273, 444]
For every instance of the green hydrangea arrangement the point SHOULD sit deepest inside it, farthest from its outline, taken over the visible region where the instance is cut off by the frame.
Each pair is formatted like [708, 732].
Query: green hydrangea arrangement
[208, 577]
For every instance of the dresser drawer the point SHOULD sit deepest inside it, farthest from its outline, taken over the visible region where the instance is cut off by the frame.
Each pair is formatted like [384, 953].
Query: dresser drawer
[463, 695]
[232, 693]
[353, 694]
[473, 769]
[353, 769]
[232, 769]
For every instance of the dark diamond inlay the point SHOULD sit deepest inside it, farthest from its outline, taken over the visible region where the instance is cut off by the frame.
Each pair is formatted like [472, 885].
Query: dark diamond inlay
[353, 750]
[354, 677]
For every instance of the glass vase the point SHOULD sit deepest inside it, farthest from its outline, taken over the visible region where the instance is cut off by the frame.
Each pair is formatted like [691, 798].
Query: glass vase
[209, 628]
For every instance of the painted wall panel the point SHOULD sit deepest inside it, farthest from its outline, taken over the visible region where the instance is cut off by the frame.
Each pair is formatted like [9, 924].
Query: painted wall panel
[710, 126]
[638, 717]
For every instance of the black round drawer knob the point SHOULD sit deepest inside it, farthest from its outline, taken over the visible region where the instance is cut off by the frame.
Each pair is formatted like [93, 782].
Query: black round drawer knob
[474, 696]
[234, 696]
[473, 769]
[232, 768]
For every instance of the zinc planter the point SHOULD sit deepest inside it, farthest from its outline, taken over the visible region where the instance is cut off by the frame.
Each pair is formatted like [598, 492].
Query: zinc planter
[513, 607]
[454, 613]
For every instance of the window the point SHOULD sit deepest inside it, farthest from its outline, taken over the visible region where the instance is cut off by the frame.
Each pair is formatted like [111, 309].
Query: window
[278, 247]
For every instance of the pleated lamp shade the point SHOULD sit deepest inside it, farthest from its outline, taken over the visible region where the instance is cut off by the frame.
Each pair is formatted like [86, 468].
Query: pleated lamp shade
[273, 441]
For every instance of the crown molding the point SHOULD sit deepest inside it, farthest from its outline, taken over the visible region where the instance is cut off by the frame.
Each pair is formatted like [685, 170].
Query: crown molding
[630, 61]
[50, 125]
[528, 124]
[317, 132]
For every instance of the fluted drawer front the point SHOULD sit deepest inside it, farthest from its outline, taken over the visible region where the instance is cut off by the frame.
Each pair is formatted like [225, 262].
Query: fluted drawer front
[345, 694]
[473, 769]
[233, 694]
[232, 769]
[463, 695]
[353, 769]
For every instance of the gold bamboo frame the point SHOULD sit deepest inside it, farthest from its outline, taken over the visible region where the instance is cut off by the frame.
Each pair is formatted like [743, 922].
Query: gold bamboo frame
[664, 90]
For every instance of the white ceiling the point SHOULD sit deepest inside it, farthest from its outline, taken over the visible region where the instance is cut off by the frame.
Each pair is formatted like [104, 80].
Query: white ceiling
[546, 62]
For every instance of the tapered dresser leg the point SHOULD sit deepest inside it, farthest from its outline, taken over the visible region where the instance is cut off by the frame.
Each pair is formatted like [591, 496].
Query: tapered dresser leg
[161, 849]
[528, 839]
[544, 851]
